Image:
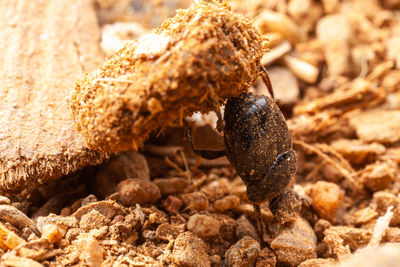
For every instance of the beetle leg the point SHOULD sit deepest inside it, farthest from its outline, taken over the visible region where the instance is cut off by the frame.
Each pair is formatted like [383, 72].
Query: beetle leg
[207, 154]
[267, 81]
[275, 180]
[220, 121]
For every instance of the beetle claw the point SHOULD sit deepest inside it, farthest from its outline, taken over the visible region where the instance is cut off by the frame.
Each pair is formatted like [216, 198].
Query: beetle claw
[267, 81]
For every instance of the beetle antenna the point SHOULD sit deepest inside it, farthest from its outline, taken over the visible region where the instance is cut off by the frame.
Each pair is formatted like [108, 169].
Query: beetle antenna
[267, 81]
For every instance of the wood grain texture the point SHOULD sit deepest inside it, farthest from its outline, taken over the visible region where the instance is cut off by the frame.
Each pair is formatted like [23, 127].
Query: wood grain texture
[45, 46]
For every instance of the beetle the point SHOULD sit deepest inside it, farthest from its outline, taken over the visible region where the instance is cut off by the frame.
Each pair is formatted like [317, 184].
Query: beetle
[257, 143]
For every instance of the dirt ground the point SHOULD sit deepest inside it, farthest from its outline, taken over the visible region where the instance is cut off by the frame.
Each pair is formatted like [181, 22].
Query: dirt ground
[334, 67]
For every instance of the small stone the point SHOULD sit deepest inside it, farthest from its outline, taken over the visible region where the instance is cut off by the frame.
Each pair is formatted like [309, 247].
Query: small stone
[124, 166]
[379, 175]
[167, 232]
[17, 218]
[383, 200]
[108, 208]
[354, 237]
[363, 216]
[52, 233]
[334, 32]
[196, 201]
[227, 203]
[93, 220]
[266, 258]
[172, 204]
[67, 211]
[15, 261]
[327, 198]
[72, 234]
[215, 260]
[4, 200]
[243, 254]
[137, 191]
[171, 186]
[358, 152]
[64, 223]
[203, 225]
[296, 243]
[392, 235]
[9, 239]
[91, 253]
[216, 189]
[89, 199]
[190, 251]
[377, 125]
[245, 228]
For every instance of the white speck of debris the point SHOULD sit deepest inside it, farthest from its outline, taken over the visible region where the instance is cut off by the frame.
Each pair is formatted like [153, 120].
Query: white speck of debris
[382, 224]
[152, 44]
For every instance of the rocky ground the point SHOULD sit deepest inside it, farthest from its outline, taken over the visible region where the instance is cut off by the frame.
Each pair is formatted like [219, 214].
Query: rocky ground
[334, 68]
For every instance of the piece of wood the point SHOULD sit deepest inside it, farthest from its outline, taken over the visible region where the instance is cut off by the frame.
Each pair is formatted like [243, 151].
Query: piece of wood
[45, 46]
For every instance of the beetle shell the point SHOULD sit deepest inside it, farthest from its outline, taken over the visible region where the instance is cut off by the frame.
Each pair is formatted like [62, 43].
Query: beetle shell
[258, 144]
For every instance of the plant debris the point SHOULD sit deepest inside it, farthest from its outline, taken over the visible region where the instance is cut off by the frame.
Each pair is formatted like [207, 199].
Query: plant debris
[148, 84]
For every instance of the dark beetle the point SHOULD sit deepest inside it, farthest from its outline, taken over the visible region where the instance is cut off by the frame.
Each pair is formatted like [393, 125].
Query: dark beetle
[258, 144]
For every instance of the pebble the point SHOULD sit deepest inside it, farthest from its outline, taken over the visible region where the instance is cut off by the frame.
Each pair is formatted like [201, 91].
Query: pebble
[172, 204]
[196, 201]
[382, 201]
[358, 152]
[243, 254]
[137, 191]
[376, 125]
[190, 251]
[295, 243]
[354, 237]
[14, 261]
[334, 32]
[227, 203]
[170, 186]
[93, 220]
[9, 239]
[379, 175]
[203, 225]
[52, 233]
[108, 208]
[121, 167]
[167, 232]
[327, 198]
[17, 218]
[266, 258]
[4, 200]
[91, 253]
[216, 189]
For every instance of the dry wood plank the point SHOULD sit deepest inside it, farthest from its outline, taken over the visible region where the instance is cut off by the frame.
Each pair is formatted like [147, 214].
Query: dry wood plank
[45, 46]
